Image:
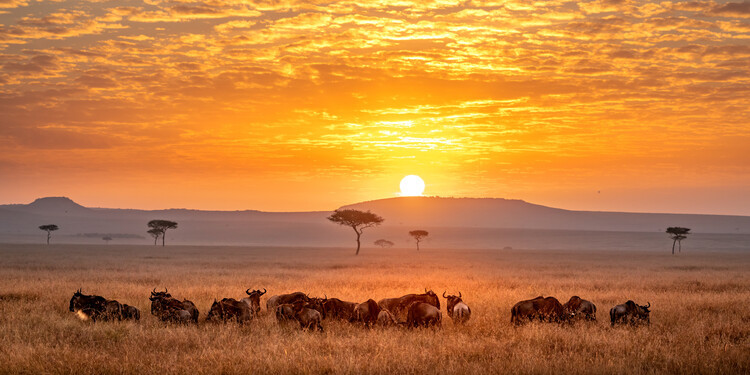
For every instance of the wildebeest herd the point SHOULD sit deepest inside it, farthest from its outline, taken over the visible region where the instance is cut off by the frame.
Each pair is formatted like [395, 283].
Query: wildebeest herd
[411, 310]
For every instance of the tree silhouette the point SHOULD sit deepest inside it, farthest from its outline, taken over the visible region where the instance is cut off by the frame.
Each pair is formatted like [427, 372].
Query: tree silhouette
[383, 243]
[677, 234]
[162, 226]
[155, 233]
[49, 228]
[107, 239]
[357, 220]
[419, 235]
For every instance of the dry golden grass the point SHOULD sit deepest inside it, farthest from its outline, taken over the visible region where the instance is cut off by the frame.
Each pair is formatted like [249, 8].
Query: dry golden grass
[700, 311]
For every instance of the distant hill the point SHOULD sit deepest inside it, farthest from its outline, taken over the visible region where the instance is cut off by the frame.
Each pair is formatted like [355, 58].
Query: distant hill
[508, 213]
[453, 222]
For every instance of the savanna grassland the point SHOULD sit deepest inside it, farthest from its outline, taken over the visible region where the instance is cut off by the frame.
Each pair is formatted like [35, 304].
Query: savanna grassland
[700, 310]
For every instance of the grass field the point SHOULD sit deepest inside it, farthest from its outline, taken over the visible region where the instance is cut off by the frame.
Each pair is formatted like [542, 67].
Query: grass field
[700, 311]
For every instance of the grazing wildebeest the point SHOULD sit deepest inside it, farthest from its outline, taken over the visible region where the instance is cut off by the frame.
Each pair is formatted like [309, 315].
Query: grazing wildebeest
[170, 309]
[545, 309]
[285, 298]
[457, 309]
[285, 313]
[253, 300]
[422, 314]
[130, 312]
[366, 312]
[630, 312]
[580, 308]
[95, 307]
[229, 309]
[335, 308]
[386, 319]
[308, 318]
[397, 306]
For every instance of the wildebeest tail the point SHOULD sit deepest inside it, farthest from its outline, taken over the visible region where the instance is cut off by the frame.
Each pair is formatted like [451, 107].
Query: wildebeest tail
[512, 314]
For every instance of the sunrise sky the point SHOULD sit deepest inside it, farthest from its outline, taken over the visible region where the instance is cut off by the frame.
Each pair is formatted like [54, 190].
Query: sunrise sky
[291, 105]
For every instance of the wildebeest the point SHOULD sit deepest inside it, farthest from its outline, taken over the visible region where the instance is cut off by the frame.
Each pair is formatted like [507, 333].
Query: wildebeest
[130, 312]
[308, 318]
[229, 309]
[285, 313]
[580, 308]
[335, 308]
[630, 312]
[422, 314]
[285, 298]
[95, 307]
[544, 309]
[166, 308]
[386, 319]
[253, 300]
[366, 312]
[456, 308]
[397, 306]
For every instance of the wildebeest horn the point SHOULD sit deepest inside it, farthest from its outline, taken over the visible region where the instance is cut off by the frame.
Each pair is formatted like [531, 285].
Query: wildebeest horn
[649, 305]
[153, 292]
[459, 294]
[247, 291]
[166, 290]
[444, 294]
[264, 291]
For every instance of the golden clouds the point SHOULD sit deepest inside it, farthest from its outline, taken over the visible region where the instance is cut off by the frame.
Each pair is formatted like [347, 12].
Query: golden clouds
[502, 90]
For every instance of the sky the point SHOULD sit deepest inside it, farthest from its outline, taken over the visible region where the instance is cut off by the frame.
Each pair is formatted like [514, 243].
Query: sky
[284, 105]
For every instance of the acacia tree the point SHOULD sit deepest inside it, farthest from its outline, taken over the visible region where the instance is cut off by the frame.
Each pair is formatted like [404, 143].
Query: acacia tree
[419, 235]
[383, 243]
[677, 234]
[155, 233]
[49, 228]
[162, 226]
[357, 220]
[107, 239]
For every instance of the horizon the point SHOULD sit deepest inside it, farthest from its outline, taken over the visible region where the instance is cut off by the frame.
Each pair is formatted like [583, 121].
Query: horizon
[291, 106]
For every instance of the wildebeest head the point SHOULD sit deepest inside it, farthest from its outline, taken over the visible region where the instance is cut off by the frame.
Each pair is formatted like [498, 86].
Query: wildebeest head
[80, 301]
[254, 297]
[451, 301]
[75, 302]
[159, 295]
[317, 304]
[216, 311]
[644, 312]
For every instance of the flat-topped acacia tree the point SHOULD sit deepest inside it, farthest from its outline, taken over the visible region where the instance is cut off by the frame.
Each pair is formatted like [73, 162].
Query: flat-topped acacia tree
[677, 234]
[357, 220]
[419, 235]
[162, 226]
[49, 228]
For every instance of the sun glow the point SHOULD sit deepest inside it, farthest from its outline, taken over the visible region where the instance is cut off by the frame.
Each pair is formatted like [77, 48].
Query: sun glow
[412, 186]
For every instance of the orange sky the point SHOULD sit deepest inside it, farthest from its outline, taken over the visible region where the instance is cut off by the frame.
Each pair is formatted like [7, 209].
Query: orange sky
[291, 105]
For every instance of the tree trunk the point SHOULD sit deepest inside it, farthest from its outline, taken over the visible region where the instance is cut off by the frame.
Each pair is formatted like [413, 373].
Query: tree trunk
[673, 243]
[417, 245]
[163, 237]
[48, 235]
[679, 246]
[358, 243]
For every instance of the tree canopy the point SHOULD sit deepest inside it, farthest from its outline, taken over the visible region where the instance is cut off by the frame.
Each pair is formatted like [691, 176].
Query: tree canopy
[419, 235]
[357, 220]
[383, 243]
[161, 226]
[49, 228]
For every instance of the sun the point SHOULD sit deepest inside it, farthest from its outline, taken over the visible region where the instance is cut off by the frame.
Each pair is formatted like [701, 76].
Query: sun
[412, 186]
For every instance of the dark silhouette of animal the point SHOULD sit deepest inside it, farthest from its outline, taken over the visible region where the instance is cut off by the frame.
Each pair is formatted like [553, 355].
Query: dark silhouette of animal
[169, 309]
[580, 308]
[366, 313]
[386, 319]
[229, 309]
[285, 313]
[281, 299]
[630, 313]
[397, 306]
[335, 308]
[130, 312]
[421, 314]
[308, 318]
[253, 300]
[95, 307]
[547, 309]
[457, 309]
